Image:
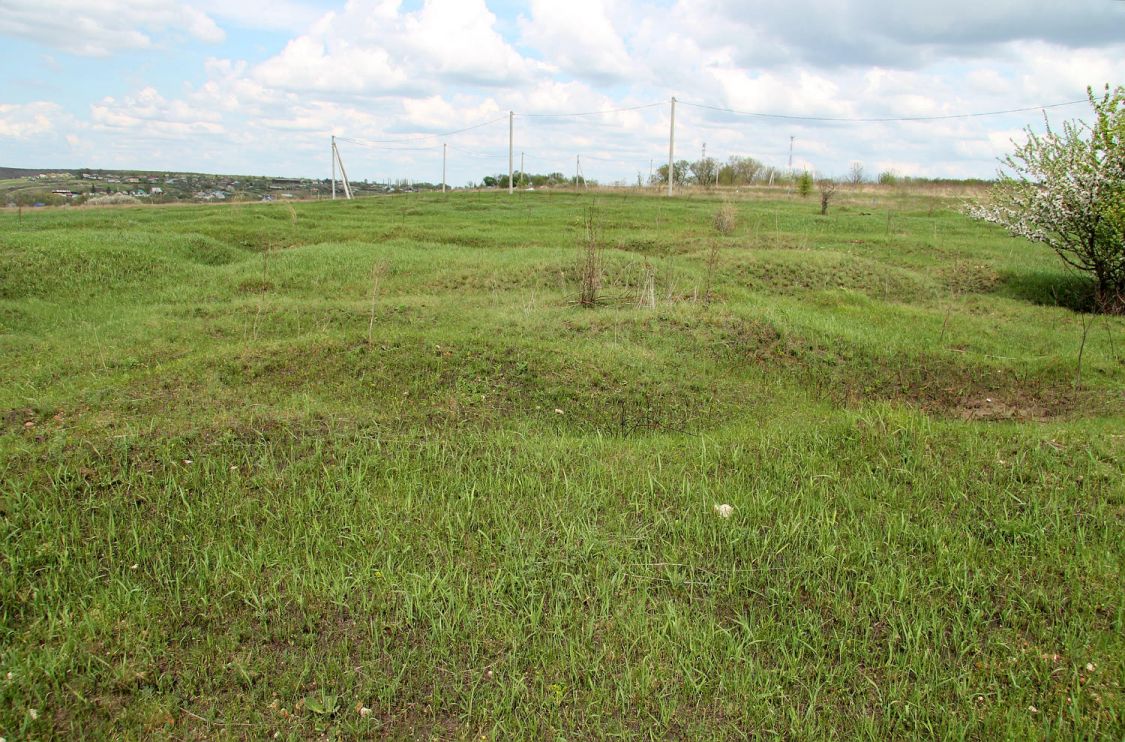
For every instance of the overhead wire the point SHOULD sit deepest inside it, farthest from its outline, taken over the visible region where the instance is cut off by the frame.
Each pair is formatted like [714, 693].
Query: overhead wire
[379, 144]
[885, 119]
[422, 137]
[590, 113]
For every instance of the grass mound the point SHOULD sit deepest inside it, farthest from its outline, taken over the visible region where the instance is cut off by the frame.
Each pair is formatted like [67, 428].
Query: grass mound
[367, 469]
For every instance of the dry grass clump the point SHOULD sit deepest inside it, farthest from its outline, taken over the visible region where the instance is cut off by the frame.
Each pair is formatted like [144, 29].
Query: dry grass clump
[724, 221]
[725, 218]
[590, 261]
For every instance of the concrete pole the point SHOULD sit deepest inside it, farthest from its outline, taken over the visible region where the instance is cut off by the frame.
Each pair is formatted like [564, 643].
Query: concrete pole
[333, 167]
[672, 148]
[522, 171]
[511, 148]
[443, 146]
[344, 176]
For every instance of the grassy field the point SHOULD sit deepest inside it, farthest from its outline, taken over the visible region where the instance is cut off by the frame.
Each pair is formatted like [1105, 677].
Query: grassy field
[366, 469]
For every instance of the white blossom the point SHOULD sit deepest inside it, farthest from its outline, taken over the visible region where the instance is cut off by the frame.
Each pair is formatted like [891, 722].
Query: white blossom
[1066, 189]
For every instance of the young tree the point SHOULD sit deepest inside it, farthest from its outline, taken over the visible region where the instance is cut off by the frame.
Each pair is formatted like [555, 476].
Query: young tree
[745, 169]
[855, 175]
[805, 184]
[704, 171]
[827, 191]
[1066, 189]
[679, 172]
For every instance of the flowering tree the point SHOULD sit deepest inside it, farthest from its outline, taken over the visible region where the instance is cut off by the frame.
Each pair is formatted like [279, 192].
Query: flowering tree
[1066, 189]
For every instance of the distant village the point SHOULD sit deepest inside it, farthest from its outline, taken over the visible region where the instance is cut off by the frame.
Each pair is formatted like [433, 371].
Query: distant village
[56, 188]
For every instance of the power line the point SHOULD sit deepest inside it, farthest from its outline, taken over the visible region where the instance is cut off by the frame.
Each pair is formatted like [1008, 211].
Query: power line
[365, 145]
[423, 137]
[887, 119]
[589, 113]
[480, 155]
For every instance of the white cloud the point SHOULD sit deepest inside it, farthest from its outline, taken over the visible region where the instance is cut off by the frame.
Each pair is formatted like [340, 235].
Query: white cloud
[1058, 72]
[579, 37]
[389, 69]
[275, 15]
[373, 46]
[29, 120]
[150, 113]
[99, 29]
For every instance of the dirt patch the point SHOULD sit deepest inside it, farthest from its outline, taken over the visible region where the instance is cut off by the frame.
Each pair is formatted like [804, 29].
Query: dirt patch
[937, 384]
[965, 278]
[992, 408]
[255, 286]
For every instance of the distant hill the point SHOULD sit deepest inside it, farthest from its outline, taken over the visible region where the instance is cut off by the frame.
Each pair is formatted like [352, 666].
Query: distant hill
[7, 173]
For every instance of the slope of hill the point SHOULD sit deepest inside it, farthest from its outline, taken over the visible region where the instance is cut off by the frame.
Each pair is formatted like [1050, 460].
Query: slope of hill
[368, 468]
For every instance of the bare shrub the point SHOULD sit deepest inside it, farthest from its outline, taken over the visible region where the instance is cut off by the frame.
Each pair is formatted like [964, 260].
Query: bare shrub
[590, 261]
[855, 174]
[712, 264]
[827, 191]
[647, 295]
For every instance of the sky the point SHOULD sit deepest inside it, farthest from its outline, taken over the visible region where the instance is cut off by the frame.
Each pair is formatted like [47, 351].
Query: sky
[259, 86]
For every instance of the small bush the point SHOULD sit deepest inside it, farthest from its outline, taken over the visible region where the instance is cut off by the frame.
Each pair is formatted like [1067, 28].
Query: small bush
[805, 184]
[827, 191]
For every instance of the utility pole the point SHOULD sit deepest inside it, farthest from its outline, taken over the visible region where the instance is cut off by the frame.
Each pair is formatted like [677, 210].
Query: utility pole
[511, 148]
[344, 176]
[672, 147]
[521, 169]
[333, 167]
[443, 147]
[791, 154]
[702, 159]
[650, 171]
[577, 170]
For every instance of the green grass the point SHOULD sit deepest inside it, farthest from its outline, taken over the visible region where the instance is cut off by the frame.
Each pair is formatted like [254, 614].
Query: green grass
[226, 514]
